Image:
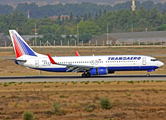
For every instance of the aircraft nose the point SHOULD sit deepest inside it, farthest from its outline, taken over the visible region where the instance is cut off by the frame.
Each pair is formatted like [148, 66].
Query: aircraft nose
[160, 64]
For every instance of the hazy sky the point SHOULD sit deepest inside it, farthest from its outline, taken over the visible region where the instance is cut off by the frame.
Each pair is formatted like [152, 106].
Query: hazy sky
[71, 1]
[14, 3]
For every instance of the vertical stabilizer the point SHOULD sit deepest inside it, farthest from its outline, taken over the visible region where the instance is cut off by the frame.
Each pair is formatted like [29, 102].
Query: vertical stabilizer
[19, 44]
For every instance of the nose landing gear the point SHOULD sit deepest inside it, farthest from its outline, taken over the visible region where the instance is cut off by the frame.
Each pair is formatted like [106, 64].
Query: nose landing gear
[147, 74]
[149, 71]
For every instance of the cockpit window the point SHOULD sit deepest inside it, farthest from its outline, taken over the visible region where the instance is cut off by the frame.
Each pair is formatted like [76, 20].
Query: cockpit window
[153, 59]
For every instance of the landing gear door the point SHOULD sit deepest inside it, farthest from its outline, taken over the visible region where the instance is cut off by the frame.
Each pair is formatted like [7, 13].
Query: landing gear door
[37, 63]
[144, 61]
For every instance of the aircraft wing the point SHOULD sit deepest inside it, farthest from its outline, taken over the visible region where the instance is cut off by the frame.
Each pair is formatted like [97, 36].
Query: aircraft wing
[70, 67]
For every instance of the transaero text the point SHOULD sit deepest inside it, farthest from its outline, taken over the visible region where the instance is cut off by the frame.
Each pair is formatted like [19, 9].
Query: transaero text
[124, 58]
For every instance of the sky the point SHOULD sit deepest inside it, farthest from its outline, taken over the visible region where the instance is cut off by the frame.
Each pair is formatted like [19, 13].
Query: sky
[112, 2]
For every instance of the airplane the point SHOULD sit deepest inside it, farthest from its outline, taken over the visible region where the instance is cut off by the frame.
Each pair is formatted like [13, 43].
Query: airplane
[88, 65]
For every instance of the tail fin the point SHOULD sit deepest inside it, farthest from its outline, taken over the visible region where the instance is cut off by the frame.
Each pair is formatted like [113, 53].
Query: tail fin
[19, 44]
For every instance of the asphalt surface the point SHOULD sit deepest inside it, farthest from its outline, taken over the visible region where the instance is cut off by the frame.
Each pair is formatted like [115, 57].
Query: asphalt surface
[79, 78]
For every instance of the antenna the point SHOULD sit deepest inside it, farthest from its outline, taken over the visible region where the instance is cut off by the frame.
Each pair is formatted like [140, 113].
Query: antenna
[28, 14]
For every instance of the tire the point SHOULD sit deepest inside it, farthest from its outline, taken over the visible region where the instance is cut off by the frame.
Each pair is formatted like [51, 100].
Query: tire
[83, 75]
[88, 75]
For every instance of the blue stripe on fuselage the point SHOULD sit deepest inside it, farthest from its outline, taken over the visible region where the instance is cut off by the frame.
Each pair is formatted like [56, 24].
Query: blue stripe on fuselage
[130, 68]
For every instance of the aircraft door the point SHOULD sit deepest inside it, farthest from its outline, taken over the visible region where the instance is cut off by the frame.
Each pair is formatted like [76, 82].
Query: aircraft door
[96, 62]
[144, 61]
[37, 63]
[92, 62]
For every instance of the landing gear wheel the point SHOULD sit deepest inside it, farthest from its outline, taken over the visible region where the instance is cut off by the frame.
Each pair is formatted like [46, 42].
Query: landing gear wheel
[83, 75]
[88, 75]
[148, 75]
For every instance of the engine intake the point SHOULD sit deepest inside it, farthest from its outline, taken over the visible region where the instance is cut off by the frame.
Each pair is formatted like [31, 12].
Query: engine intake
[99, 71]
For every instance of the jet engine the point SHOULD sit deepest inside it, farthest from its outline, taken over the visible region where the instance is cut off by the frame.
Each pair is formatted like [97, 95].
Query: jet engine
[99, 71]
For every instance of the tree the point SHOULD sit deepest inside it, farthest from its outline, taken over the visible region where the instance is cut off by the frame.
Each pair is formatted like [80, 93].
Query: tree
[6, 9]
[71, 16]
[59, 19]
[78, 18]
[105, 11]
[45, 16]
[85, 37]
[162, 28]
[63, 19]
[148, 4]
[89, 15]
[88, 27]
[39, 12]
[66, 18]
[85, 16]
[164, 11]
[96, 16]
[100, 13]
[46, 29]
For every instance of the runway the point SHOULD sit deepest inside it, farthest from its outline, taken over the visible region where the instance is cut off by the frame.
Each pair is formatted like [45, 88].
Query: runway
[79, 78]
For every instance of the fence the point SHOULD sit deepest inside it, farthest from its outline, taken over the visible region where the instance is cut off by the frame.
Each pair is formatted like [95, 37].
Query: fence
[95, 43]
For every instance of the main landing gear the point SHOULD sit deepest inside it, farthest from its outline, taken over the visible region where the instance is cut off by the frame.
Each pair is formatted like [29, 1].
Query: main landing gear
[86, 74]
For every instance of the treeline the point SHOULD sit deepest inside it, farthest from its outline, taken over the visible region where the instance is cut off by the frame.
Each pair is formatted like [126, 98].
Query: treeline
[85, 7]
[87, 26]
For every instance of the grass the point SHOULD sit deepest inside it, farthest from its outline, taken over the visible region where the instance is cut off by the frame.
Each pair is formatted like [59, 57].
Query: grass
[83, 98]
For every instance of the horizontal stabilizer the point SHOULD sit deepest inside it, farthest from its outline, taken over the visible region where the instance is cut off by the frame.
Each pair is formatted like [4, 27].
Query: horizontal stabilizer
[21, 60]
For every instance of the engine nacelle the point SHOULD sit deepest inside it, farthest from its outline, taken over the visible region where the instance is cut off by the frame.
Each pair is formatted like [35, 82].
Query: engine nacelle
[99, 71]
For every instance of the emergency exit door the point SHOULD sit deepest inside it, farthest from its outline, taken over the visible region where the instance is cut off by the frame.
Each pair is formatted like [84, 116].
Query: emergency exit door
[37, 63]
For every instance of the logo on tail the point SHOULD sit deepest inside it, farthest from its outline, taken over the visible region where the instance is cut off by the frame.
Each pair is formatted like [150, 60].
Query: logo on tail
[20, 46]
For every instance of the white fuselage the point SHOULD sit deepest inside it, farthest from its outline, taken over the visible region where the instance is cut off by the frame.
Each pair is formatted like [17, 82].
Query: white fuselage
[112, 62]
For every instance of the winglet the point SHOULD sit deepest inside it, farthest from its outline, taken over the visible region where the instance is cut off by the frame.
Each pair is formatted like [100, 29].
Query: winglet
[77, 53]
[51, 60]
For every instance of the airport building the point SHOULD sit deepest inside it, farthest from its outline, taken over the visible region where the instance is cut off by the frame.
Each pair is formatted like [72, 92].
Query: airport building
[4, 40]
[130, 38]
